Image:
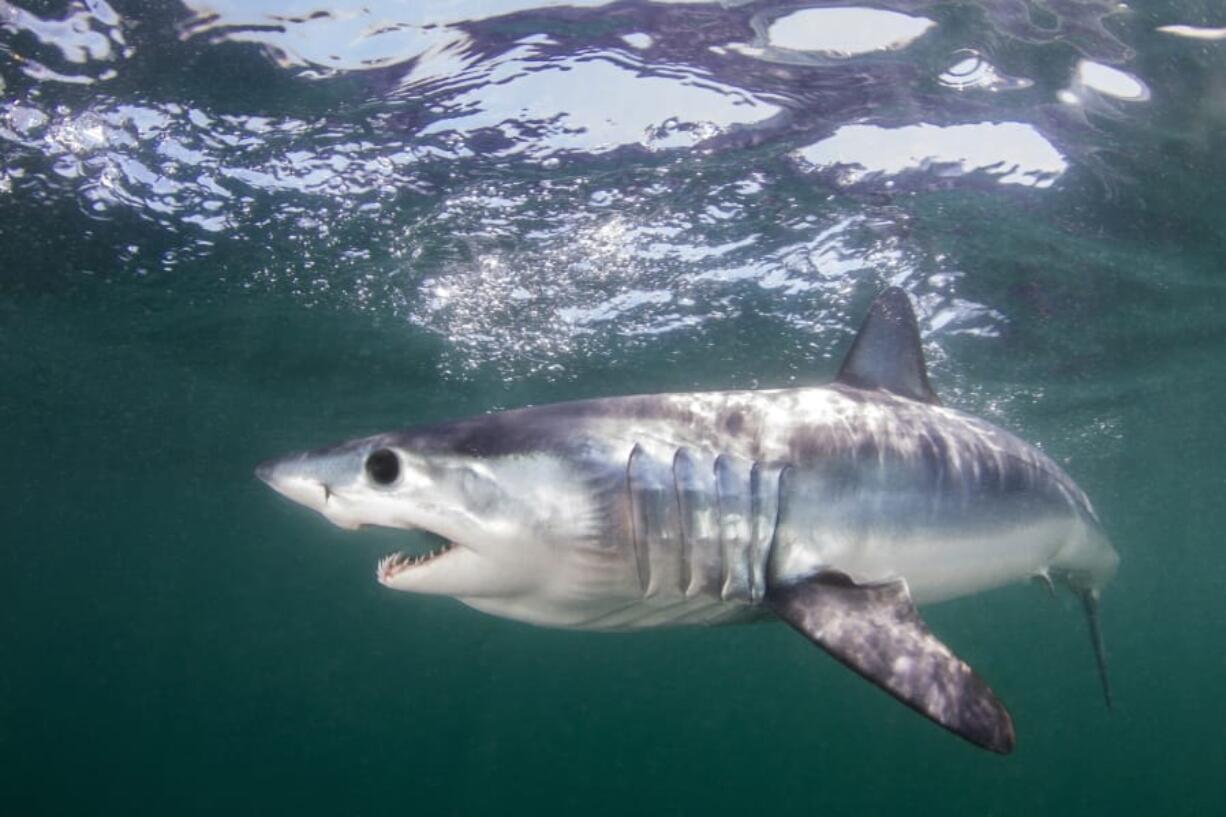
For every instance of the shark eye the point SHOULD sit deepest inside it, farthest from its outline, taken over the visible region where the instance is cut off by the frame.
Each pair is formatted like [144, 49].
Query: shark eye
[383, 466]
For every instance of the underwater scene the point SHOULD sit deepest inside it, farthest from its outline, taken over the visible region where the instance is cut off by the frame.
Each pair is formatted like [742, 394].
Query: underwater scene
[926, 299]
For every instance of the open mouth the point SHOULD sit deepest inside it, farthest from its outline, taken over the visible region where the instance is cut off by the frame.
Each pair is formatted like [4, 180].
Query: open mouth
[393, 564]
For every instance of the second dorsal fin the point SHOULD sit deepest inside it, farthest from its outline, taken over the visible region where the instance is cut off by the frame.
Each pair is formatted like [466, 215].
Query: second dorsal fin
[886, 353]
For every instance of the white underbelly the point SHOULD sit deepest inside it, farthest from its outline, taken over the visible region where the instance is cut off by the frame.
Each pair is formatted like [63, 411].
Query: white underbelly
[616, 613]
[940, 567]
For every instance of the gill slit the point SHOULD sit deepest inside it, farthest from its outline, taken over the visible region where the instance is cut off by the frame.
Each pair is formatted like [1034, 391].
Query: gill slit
[685, 549]
[755, 535]
[780, 488]
[735, 527]
[642, 561]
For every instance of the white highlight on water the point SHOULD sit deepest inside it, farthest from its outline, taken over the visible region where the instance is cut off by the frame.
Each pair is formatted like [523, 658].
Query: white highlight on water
[1009, 152]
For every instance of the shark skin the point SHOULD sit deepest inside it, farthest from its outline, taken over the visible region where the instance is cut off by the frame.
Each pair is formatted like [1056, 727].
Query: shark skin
[837, 509]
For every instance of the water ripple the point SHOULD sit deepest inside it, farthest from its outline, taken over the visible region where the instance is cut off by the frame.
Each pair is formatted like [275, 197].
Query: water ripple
[79, 48]
[539, 183]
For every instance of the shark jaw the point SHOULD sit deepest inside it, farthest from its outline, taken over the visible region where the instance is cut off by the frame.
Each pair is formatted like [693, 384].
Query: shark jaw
[392, 566]
[396, 563]
[445, 568]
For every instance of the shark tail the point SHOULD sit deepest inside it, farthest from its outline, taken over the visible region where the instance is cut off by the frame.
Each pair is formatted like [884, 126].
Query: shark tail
[1089, 602]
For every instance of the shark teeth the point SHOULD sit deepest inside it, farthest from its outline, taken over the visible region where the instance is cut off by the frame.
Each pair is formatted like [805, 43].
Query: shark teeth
[394, 564]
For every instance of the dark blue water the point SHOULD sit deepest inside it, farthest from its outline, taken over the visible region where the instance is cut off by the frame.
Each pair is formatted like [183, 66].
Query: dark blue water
[233, 229]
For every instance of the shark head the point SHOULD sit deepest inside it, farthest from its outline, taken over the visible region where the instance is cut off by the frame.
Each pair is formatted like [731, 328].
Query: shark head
[501, 519]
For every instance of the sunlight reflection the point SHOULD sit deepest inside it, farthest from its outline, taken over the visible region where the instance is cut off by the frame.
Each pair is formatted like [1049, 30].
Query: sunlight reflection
[971, 70]
[1008, 152]
[819, 34]
[555, 102]
[1103, 79]
[1194, 32]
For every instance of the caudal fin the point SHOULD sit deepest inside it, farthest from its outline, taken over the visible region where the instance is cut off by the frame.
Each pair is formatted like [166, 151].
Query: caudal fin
[1089, 601]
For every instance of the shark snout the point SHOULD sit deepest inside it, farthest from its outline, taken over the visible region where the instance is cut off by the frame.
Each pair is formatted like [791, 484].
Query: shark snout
[307, 480]
[288, 478]
[264, 471]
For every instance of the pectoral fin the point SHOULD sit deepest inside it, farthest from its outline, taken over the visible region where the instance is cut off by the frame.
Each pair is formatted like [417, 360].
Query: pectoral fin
[876, 630]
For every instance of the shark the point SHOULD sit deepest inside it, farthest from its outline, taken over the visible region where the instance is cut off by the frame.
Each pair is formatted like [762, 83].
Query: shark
[837, 509]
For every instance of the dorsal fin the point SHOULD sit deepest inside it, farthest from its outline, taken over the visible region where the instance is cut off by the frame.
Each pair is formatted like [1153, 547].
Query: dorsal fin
[886, 353]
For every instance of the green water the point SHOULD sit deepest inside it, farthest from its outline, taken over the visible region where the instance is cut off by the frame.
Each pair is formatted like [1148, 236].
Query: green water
[177, 640]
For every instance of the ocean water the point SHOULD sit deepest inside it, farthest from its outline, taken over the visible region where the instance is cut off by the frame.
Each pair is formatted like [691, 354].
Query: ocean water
[234, 228]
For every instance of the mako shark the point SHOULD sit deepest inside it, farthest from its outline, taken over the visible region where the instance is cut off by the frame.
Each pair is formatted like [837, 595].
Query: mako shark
[837, 509]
